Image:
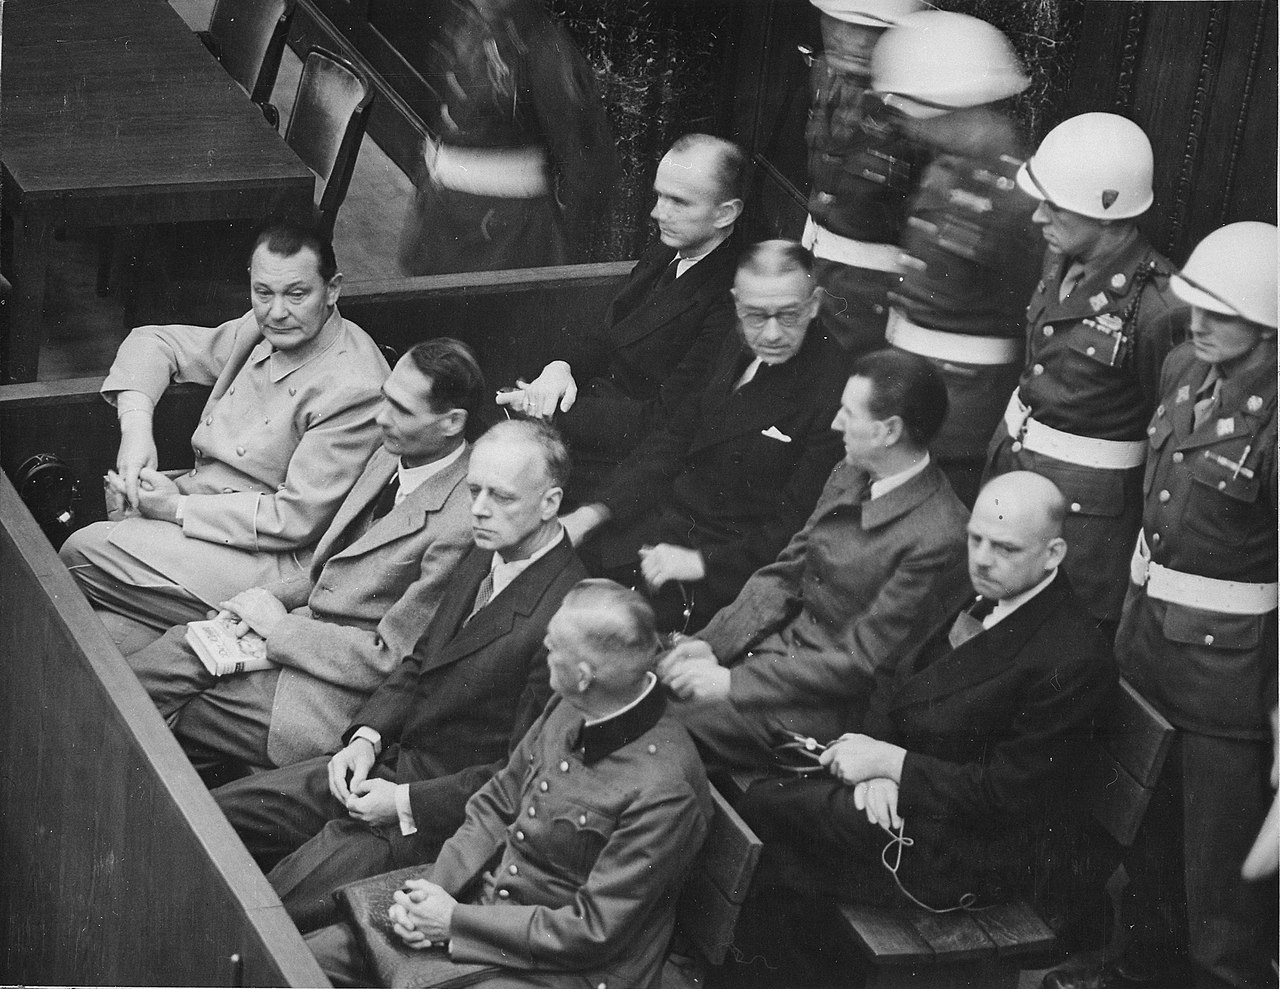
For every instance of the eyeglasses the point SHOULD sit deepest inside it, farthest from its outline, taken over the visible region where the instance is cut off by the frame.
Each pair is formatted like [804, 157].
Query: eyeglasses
[758, 319]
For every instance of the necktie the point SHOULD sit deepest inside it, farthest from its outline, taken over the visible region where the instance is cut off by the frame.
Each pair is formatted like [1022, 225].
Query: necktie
[483, 594]
[969, 622]
[668, 274]
[387, 499]
[1204, 407]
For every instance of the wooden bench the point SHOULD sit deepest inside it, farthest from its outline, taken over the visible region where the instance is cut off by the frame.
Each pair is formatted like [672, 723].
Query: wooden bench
[986, 949]
[712, 897]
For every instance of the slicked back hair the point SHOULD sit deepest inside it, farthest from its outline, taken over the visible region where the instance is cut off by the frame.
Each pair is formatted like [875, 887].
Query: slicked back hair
[456, 379]
[730, 162]
[769, 258]
[543, 435]
[617, 623]
[906, 385]
[287, 237]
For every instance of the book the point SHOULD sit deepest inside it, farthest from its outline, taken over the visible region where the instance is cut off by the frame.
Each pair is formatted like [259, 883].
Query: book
[366, 902]
[223, 652]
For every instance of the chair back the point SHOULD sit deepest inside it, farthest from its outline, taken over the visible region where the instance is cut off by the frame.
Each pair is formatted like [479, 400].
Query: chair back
[717, 884]
[1127, 759]
[250, 36]
[328, 123]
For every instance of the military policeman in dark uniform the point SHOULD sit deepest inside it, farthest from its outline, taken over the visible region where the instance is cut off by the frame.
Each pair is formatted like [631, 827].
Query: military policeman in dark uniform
[1198, 635]
[969, 250]
[1099, 325]
[520, 158]
[861, 170]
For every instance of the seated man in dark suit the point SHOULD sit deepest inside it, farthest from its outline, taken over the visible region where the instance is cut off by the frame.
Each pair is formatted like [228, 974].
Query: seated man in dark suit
[568, 868]
[376, 579]
[972, 751]
[865, 579]
[714, 493]
[445, 720]
[666, 325]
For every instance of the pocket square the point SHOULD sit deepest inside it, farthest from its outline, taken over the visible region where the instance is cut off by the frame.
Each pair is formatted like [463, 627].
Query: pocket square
[774, 433]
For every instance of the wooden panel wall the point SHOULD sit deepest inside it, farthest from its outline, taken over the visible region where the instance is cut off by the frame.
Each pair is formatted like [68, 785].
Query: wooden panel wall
[516, 320]
[1200, 77]
[117, 866]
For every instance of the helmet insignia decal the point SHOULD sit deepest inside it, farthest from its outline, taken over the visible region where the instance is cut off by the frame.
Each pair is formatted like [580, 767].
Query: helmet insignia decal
[1109, 196]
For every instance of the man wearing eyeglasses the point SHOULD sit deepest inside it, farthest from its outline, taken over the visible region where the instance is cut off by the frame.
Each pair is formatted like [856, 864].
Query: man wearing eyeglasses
[715, 493]
[1099, 326]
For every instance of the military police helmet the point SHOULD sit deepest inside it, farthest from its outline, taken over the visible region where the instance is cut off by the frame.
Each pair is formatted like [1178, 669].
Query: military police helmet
[1097, 164]
[869, 13]
[936, 61]
[1233, 271]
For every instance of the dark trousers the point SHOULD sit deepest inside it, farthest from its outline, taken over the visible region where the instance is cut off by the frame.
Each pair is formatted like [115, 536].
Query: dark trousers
[1184, 868]
[294, 827]
[217, 719]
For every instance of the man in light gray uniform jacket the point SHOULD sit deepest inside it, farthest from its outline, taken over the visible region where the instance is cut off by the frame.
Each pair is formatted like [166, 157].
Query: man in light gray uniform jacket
[283, 437]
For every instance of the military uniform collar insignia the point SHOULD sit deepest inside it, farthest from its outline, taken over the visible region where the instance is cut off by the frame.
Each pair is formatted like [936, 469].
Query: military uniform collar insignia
[599, 739]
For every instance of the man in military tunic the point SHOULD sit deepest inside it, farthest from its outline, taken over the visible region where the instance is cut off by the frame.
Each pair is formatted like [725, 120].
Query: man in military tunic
[1198, 633]
[861, 169]
[283, 437]
[1099, 325]
[520, 159]
[567, 869]
[969, 251]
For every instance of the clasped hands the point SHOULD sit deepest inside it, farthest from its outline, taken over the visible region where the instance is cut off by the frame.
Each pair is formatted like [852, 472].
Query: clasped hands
[155, 495]
[422, 914]
[136, 478]
[372, 801]
[873, 768]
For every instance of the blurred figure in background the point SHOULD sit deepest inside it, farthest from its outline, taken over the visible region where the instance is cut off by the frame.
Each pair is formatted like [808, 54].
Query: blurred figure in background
[861, 170]
[519, 158]
[969, 251]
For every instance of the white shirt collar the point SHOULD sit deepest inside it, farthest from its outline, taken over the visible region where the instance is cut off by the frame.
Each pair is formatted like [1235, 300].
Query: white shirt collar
[412, 478]
[651, 681]
[887, 484]
[504, 573]
[1008, 606]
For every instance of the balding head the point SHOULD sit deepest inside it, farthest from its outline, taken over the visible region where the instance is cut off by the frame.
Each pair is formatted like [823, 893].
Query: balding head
[600, 645]
[698, 193]
[1015, 534]
[722, 161]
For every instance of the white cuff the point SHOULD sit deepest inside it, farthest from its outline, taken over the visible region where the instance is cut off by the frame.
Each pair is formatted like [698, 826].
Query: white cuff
[133, 401]
[407, 825]
[371, 735]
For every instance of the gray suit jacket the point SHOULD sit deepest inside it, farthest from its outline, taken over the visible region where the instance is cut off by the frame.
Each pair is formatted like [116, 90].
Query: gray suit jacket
[853, 590]
[367, 603]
